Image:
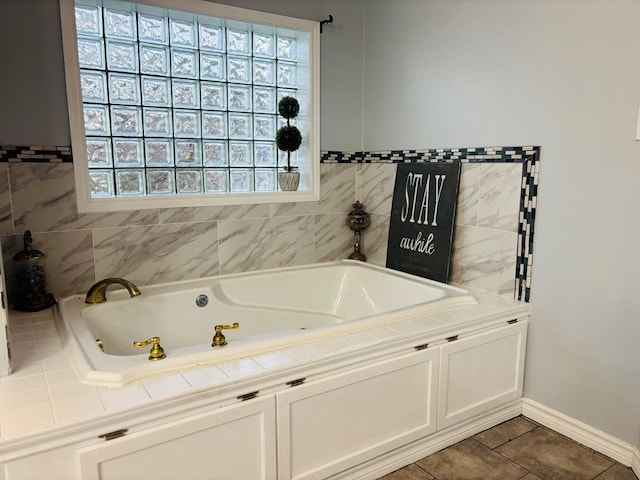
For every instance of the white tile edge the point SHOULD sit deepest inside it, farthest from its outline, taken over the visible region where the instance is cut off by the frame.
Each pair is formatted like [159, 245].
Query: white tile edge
[587, 435]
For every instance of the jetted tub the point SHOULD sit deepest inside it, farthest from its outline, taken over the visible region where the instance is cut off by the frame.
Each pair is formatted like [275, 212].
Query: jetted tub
[274, 308]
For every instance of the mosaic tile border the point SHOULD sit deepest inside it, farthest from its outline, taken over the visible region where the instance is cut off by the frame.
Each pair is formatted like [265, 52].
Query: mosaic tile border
[36, 153]
[451, 155]
[529, 156]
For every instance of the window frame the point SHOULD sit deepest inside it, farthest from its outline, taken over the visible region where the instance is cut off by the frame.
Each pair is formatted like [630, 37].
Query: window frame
[308, 155]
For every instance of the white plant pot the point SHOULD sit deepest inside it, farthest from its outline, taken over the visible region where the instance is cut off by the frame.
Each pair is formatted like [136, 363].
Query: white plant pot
[288, 181]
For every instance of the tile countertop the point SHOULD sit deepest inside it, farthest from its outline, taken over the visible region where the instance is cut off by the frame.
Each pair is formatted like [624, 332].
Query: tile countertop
[43, 392]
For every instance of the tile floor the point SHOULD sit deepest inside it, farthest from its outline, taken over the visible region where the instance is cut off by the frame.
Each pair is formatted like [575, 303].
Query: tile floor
[518, 449]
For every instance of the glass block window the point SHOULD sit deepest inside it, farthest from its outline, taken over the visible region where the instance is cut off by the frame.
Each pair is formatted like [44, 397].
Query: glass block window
[180, 103]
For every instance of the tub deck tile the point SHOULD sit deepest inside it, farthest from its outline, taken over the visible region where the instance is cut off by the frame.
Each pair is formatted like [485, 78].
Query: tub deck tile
[77, 408]
[273, 359]
[360, 338]
[27, 420]
[383, 333]
[427, 323]
[332, 345]
[68, 390]
[166, 386]
[126, 397]
[305, 351]
[25, 383]
[15, 402]
[205, 377]
[405, 327]
[57, 377]
[240, 367]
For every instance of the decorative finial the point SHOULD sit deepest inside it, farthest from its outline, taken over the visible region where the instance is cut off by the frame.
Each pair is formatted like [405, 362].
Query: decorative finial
[27, 239]
[358, 220]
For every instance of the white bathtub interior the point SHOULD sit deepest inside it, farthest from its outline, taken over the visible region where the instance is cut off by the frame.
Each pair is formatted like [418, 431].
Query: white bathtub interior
[177, 320]
[274, 308]
[338, 289]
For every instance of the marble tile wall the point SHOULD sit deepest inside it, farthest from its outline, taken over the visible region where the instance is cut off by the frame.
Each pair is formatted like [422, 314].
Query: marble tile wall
[154, 246]
[486, 228]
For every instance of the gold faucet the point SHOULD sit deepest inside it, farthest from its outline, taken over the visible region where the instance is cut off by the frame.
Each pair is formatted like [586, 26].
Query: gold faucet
[219, 339]
[98, 292]
[156, 352]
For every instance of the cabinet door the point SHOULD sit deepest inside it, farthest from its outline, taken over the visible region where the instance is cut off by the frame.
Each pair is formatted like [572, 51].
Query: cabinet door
[481, 373]
[229, 443]
[332, 424]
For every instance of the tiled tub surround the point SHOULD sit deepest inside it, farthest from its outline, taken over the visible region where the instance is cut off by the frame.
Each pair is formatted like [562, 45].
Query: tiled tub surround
[492, 238]
[485, 235]
[44, 400]
[497, 199]
[154, 246]
[44, 404]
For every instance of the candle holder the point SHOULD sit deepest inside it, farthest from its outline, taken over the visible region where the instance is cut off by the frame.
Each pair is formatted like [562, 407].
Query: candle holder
[31, 283]
[358, 221]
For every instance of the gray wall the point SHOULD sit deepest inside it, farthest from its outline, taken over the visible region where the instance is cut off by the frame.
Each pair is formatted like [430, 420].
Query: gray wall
[33, 96]
[32, 89]
[563, 74]
[341, 57]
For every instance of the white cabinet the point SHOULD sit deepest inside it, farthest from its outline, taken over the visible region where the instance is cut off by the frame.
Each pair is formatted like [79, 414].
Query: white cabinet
[481, 372]
[229, 443]
[329, 425]
[345, 417]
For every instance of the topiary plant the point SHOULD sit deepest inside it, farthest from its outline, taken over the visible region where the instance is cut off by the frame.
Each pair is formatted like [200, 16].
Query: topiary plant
[288, 138]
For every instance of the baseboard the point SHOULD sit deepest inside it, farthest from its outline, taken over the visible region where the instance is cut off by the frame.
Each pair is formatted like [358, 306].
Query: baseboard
[582, 433]
[635, 463]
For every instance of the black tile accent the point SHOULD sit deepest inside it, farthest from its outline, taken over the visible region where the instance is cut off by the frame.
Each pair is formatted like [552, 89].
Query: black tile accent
[38, 154]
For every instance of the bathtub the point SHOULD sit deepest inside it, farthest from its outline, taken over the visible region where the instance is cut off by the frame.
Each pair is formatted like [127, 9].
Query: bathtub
[274, 308]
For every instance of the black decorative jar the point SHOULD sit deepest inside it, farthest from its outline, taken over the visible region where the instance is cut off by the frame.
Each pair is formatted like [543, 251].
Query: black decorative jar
[31, 283]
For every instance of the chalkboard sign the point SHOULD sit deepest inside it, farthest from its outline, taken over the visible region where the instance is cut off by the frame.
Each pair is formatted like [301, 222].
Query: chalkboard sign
[422, 215]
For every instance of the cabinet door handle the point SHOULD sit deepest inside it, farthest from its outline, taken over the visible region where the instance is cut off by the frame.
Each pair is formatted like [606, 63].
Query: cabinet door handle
[452, 338]
[115, 434]
[296, 382]
[248, 396]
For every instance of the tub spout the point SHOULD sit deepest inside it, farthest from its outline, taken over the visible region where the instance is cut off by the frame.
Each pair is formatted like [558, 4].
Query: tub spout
[98, 292]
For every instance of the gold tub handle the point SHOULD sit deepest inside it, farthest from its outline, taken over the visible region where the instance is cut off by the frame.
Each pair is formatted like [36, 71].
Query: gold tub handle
[219, 339]
[156, 352]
